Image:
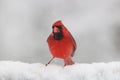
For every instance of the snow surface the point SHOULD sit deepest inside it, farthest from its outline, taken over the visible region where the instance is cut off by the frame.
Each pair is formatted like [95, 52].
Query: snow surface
[10, 70]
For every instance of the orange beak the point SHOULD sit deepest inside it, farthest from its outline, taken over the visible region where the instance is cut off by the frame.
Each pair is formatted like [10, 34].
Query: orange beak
[56, 30]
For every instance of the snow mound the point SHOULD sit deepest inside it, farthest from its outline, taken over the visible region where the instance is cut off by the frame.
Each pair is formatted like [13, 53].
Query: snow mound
[10, 70]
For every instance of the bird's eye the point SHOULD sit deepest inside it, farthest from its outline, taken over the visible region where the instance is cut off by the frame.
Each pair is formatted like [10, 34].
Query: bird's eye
[60, 27]
[53, 26]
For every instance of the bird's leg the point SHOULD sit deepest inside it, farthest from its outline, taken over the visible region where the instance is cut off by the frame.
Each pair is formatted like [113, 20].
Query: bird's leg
[65, 64]
[68, 61]
[50, 61]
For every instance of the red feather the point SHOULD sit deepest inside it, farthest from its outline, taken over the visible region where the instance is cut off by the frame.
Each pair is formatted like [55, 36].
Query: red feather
[63, 48]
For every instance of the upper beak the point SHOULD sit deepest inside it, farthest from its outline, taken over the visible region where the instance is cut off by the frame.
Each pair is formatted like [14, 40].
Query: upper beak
[56, 30]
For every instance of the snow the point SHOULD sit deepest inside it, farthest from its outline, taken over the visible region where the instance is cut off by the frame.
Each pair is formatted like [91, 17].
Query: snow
[15, 70]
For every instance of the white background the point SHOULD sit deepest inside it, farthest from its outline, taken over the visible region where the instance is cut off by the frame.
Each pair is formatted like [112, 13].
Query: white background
[26, 24]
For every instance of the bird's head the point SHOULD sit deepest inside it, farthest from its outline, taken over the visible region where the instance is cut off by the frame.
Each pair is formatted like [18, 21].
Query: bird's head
[57, 30]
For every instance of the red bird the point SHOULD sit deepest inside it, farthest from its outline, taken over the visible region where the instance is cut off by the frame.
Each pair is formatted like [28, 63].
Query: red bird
[61, 43]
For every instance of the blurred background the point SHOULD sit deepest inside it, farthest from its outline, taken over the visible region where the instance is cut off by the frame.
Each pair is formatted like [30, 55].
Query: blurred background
[26, 24]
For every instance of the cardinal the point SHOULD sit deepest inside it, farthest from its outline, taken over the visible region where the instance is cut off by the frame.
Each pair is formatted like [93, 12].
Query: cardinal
[61, 43]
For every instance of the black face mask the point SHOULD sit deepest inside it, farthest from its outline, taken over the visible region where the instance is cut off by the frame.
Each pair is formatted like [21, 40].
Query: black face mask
[59, 35]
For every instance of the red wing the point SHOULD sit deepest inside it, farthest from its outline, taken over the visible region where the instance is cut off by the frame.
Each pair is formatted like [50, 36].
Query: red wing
[74, 44]
[49, 38]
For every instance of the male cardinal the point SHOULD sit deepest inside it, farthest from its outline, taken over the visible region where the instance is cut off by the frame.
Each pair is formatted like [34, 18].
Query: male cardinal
[61, 43]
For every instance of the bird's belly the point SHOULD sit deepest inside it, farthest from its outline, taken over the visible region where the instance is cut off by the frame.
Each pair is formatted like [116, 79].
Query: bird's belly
[61, 49]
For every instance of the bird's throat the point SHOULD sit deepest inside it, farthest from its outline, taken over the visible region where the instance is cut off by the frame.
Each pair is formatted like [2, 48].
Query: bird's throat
[58, 36]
